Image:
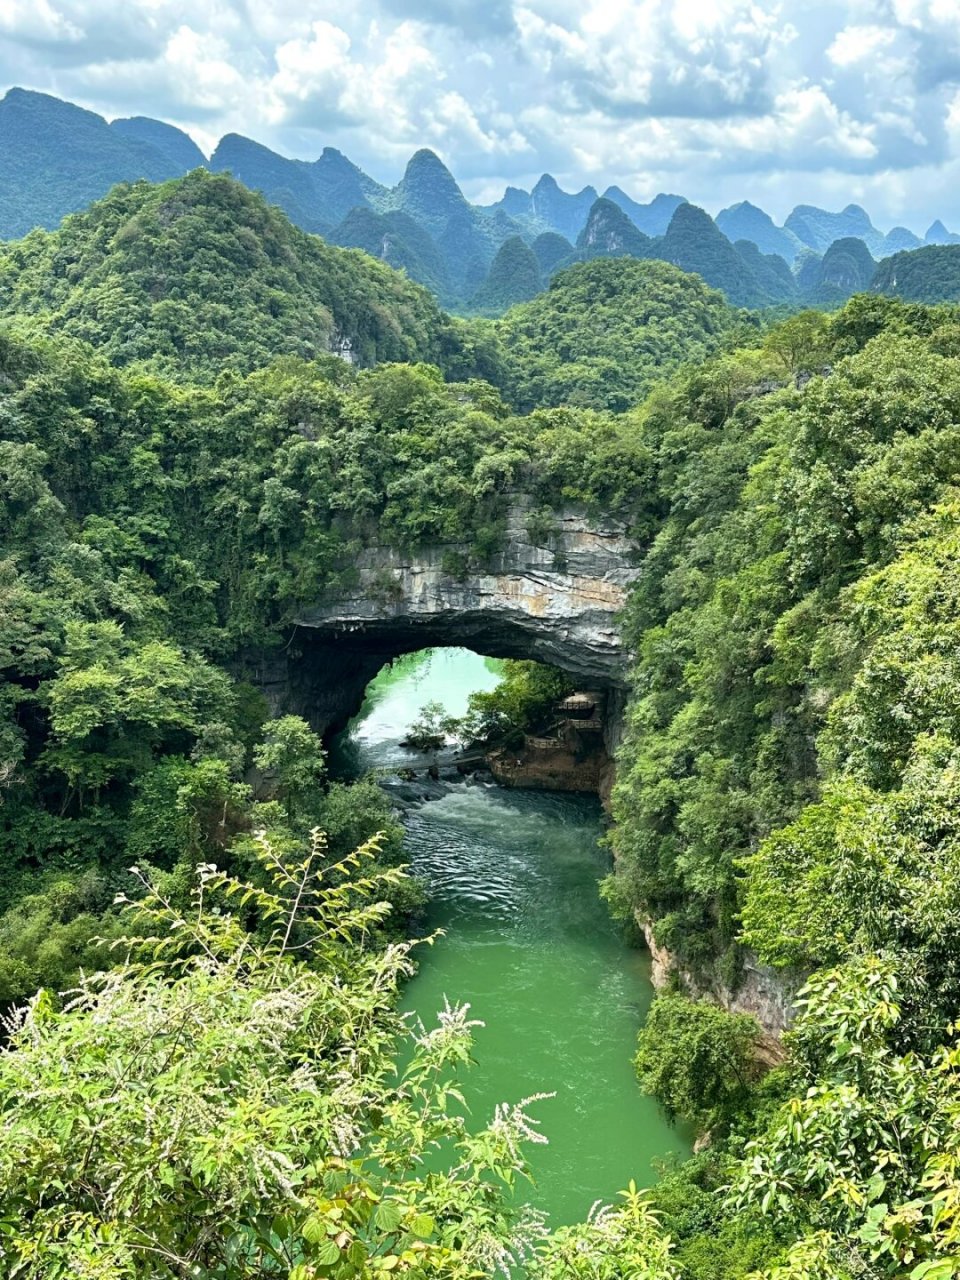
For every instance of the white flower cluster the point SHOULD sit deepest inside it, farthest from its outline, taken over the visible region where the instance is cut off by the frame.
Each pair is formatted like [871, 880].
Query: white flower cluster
[495, 1256]
[512, 1124]
[453, 1028]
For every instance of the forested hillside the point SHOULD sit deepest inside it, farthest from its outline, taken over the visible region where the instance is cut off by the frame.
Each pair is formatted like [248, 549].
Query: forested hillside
[788, 786]
[153, 530]
[514, 276]
[200, 275]
[56, 159]
[744, 221]
[606, 329]
[928, 275]
[403, 244]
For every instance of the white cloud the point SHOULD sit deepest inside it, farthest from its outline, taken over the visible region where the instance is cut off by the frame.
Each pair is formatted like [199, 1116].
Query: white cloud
[36, 20]
[807, 125]
[648, 57]
[317, 66]
[456, 124]
[924, 14]
[380, 83]
[857, 44]
[201, 70]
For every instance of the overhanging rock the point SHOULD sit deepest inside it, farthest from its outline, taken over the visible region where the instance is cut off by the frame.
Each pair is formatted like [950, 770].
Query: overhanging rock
[557, 603]
[555, 599]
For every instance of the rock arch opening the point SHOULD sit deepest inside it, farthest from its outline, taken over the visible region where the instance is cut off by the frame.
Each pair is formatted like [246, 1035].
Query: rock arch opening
[555, 602]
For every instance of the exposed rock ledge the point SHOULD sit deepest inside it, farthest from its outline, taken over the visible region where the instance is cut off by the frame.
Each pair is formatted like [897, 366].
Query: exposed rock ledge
[763, 992]
[556, 603]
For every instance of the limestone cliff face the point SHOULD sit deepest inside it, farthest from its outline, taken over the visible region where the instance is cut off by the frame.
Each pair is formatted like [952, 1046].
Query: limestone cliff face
[763, 992]
[557, 603]
[555, 600]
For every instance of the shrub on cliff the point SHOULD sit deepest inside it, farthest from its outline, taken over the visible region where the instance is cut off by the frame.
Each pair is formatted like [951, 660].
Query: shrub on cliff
[698, 1060]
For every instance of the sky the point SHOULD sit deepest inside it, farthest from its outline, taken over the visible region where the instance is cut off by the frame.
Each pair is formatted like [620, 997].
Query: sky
[776, 101]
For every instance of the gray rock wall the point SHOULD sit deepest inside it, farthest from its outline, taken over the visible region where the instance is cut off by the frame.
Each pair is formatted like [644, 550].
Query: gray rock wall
[763, 992]
[556, 601]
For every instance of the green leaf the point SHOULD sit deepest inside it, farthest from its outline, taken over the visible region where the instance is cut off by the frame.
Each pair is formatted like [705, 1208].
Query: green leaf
[388, 1217]
[423, 1226]
[314, 1229]
[328, 1252]
[936, 1269]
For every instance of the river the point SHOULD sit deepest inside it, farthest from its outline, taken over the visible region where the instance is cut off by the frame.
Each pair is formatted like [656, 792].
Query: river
[528, 943]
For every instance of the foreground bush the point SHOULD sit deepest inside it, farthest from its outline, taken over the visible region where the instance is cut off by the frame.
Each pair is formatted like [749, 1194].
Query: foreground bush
[227, 1104]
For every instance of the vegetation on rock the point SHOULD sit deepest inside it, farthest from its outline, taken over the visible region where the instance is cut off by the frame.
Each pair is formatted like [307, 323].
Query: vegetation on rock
[514, 277]
[528, 693]
[550, 250]
[395, 238]
[609, 233]
[846, 268]
[787, 784]
[693, 242]
[57, 158]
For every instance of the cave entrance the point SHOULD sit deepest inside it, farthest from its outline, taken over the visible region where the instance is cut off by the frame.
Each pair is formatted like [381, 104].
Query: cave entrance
[521, 604]
[324, 671]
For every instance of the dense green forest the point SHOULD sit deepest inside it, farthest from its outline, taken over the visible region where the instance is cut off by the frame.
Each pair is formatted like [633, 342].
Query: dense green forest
[606, 329]
[199, 275]
[787, 786]
[153, 531]
[403, 244]
[931, 274]
[514, 277]
[225, 1101]
[57, 158]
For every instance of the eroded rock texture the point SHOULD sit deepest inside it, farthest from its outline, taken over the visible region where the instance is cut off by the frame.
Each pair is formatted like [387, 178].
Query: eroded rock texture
[557, 602]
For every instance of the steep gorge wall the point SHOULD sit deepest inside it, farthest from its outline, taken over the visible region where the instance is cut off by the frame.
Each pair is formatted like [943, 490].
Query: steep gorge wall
[765, 993]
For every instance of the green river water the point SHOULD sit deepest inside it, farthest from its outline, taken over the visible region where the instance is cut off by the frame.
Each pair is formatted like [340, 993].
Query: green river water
[513, 881]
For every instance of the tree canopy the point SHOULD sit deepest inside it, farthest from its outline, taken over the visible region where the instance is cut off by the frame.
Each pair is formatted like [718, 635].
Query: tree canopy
[199, 274]
[606, 330]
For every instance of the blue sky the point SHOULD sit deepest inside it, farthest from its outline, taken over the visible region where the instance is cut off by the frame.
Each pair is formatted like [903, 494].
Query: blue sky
[782, 103]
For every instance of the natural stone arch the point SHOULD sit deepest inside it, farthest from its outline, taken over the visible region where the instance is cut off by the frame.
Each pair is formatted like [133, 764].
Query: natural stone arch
[556, 603]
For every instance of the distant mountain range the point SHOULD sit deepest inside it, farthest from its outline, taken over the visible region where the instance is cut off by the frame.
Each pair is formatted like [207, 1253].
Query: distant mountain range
[57, 158]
